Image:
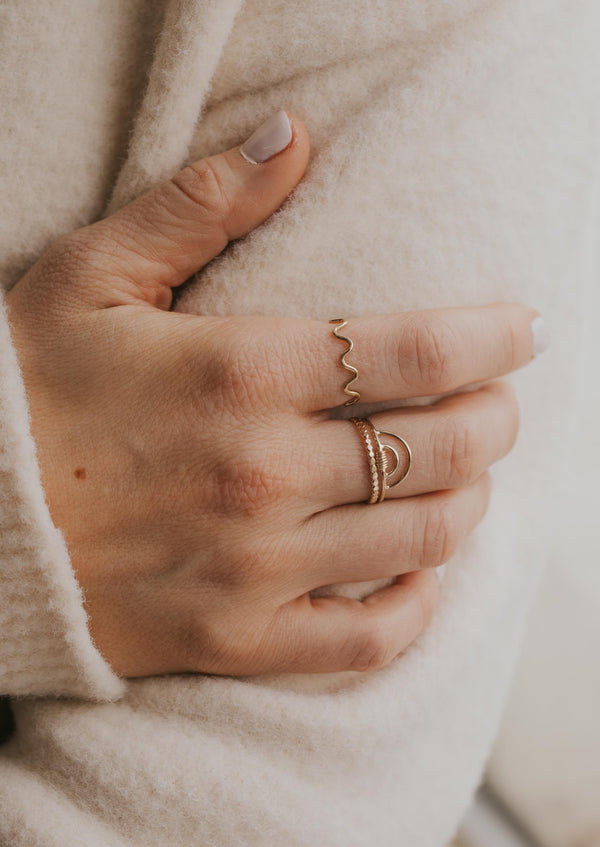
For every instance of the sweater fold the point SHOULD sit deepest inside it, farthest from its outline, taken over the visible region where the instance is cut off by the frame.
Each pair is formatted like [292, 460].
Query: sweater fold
[45, 645]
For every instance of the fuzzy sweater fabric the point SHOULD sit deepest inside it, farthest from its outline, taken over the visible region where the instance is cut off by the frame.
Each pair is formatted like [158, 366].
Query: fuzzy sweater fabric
[455, 159]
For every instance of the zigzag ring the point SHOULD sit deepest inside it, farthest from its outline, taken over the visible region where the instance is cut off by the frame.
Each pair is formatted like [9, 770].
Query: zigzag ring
[352, 394]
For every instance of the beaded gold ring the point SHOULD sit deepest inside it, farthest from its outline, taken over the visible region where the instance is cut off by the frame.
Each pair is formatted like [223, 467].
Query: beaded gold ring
[381, 471]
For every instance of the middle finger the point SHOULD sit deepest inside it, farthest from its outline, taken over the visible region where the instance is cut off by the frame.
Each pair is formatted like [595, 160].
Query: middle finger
[452, 441]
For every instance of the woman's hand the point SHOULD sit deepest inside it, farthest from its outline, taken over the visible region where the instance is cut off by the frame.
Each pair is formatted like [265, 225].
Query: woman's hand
[201, 489]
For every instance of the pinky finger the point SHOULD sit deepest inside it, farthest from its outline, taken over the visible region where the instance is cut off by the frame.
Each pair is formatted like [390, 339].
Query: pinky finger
[329, 634]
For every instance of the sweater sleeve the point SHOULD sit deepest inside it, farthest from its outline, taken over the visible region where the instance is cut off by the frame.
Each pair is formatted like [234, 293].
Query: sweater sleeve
[45, 645]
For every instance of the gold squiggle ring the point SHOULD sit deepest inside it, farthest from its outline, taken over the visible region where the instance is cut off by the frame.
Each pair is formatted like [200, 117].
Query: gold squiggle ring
[352, 394]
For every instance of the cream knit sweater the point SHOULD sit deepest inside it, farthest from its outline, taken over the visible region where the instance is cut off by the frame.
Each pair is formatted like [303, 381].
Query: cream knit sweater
[455, 161]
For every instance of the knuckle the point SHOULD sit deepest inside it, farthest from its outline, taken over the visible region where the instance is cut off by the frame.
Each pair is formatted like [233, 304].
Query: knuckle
[237, 566]
[203, 184]
[250, 483]
[201, 644]
[441, 531]
[224, 643]
[251, 568]
[246, 379]
[370, 650]
[238, 382]
[455, 452]
[249, 373]
[432, 348]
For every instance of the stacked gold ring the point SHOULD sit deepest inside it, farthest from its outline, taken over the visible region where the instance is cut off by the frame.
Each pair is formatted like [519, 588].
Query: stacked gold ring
[374, 458]
[380, 472]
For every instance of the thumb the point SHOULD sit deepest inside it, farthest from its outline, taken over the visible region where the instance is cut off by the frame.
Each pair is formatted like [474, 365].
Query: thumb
[166, 235]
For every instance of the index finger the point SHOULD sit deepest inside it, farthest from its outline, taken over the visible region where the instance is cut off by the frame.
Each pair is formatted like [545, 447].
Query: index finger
[407, 354]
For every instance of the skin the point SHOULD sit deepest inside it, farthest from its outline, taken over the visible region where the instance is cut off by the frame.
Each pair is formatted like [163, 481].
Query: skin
[192, 466]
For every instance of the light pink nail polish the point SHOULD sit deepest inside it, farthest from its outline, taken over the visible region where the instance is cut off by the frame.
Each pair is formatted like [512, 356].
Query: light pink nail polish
[541, 335]
[270, 138]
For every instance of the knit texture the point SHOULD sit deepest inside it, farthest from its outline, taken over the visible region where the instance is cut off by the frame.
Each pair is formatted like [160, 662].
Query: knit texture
[454, 159]
[45, 646]
[189, 48]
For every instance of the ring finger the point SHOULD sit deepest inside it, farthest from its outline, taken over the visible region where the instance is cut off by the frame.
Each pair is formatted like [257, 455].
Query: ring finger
[452, 442]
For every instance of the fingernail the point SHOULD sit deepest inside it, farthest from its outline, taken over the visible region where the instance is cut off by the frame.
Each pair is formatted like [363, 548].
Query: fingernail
[440, 571]
[269, 139]
[541, 335]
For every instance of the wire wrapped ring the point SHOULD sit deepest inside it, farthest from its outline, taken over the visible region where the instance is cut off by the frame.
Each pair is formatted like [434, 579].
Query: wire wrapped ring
[351, 392]
[381, 470]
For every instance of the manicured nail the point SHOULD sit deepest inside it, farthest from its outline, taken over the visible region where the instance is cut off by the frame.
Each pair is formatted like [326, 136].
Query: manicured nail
[269, 139]
[541, 335]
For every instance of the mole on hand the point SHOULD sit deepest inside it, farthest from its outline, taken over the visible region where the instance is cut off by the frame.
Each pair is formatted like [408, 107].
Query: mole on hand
[80, 473]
